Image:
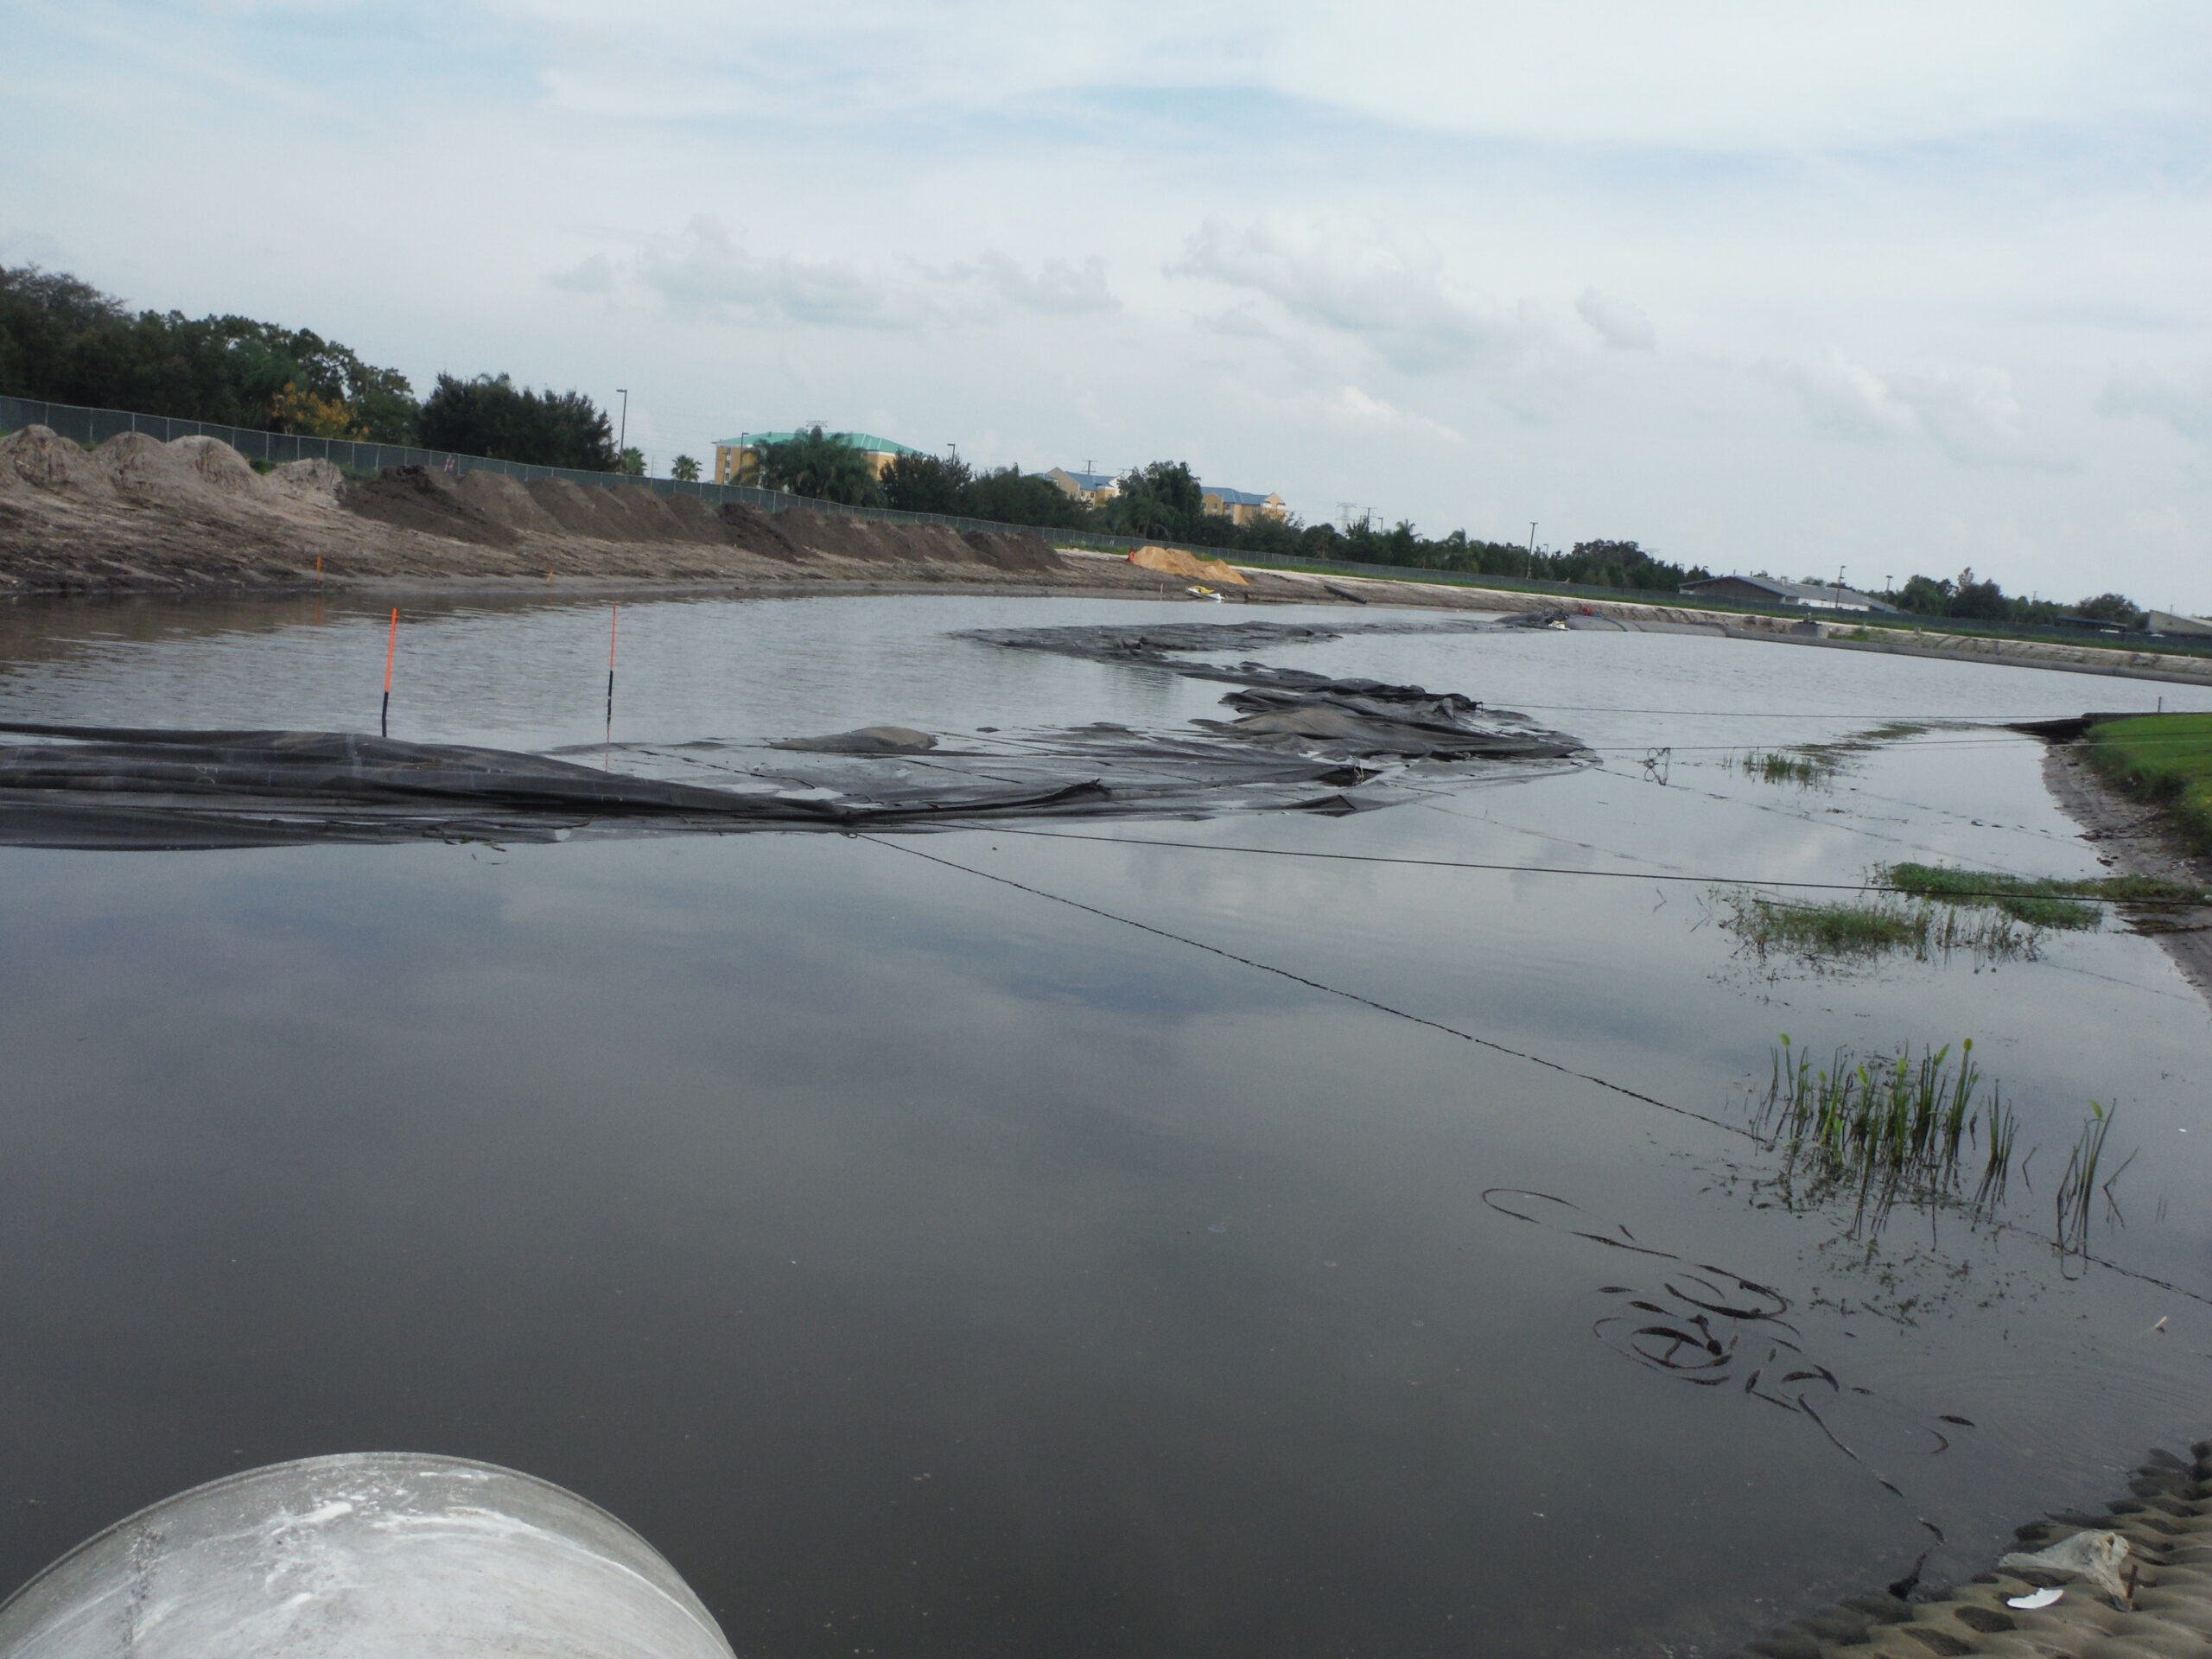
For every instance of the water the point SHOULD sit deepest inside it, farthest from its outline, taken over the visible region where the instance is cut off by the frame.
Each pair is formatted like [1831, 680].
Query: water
[928, 1259]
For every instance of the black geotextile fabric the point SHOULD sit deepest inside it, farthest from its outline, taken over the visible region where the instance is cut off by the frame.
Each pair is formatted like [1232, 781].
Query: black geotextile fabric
[1300, 742]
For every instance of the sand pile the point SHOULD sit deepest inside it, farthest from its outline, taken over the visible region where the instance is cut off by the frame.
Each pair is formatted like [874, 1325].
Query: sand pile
[1175, 562]
[414, 498]
[36, 457]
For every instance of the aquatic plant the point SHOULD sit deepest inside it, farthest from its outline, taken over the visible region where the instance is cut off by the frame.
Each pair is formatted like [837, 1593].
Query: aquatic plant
[1917, 1128]
[1867, 928]
[1808, 768]
[2078, 1187]
[1890, 1123]
[2040, 901]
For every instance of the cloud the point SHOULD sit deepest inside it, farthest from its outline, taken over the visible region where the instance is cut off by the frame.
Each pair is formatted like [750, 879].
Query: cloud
[705, 268]
[1402, 307]
[1972, 413]
[1617, 322]
[2185, 407]
[592, 275]
[1058, 288]
[1349, 406]
[1240, 322]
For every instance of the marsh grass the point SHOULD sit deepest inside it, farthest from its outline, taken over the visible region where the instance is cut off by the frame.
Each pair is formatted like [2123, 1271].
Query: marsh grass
[1808, 768]
[1867, 928]
[1875, 1131]
[2040, 901]
[2078, 1188]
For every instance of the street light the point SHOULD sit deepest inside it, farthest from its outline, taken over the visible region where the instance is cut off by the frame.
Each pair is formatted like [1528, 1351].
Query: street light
[623, 443]
[1532, 550]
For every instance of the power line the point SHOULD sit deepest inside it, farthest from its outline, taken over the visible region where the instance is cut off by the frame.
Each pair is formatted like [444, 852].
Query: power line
[1557, 869]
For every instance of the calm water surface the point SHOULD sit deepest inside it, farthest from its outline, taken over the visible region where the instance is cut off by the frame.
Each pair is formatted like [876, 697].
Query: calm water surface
[929, 1264]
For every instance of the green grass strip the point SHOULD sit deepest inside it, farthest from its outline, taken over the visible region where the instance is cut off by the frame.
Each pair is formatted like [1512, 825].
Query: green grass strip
[2165, 759]
[2040, 901]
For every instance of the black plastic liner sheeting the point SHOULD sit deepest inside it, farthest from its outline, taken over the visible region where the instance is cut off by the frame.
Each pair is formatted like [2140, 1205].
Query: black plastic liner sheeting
[1302, 742]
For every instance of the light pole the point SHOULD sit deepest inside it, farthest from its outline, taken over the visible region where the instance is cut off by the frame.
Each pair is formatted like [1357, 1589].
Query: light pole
[623, 442]
[1838, 594]
[1532, 550]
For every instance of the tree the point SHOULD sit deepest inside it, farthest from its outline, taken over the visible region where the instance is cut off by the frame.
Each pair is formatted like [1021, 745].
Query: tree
[823, 464]
[2114, 607]
[63, 339]
[1924, 596]
[491, 415]
[302, 412]
[1161, 499]
[685, 470]
[929, 484]
[631, 460]
[1980, 601]
[1007, 495]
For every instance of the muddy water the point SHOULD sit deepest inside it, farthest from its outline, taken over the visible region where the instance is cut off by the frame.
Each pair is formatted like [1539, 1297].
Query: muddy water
[1002, 1259]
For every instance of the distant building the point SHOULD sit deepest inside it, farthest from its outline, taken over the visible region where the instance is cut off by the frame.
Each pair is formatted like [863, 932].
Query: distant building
[2183, 627]
[1092, 489]
[1769, 590]
[737, 461]
[1241, 506]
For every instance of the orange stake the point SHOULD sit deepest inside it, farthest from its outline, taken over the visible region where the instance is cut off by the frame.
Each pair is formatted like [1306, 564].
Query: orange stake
[391, 645]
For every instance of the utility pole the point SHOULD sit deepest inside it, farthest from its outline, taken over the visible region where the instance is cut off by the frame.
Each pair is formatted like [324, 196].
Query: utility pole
[1838, 595]
[623, 442]
[1532, 550]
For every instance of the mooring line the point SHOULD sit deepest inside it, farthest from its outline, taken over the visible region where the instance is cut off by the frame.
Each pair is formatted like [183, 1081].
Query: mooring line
[1993, 1222]
[1557, 869]
[1311, 984]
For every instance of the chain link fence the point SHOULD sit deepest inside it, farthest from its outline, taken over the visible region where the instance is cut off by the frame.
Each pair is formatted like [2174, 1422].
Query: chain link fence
[91, 426]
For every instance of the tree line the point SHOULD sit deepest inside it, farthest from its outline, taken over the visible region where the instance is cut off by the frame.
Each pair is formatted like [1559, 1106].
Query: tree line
[62, 340]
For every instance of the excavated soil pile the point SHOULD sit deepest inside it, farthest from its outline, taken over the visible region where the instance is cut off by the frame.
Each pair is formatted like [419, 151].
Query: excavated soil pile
[139, 515]
[2166, 1526]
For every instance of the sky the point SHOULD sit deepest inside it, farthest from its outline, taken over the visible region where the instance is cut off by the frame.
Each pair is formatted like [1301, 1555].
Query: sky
[1874, 289]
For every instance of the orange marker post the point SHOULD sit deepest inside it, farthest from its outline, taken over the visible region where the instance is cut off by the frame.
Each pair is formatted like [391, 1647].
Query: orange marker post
[391, 645]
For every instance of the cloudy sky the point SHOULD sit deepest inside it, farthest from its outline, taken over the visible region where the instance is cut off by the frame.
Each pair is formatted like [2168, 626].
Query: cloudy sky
[1883, 286]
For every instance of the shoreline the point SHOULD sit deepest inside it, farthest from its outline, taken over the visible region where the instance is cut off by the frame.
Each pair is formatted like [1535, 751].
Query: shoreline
[2135, 838]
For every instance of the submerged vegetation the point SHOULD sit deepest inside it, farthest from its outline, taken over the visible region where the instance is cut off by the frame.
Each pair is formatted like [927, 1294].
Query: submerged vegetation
[2040, 901]
[2167, 760]
[1886, 1128]
[1867, 928]
[1808, 768]
[1918, 1129]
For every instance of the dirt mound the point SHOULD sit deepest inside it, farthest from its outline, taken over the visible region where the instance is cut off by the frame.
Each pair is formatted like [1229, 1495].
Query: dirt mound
[1013, 550]
[195, 474]
[505, 499]
[578, 511]
[756, 531]
[1175, 562]
[415, 498]
[220, 468]
[38, 457]
[315, 482]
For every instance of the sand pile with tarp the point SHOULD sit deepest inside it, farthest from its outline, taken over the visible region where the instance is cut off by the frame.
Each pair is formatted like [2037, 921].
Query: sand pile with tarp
[1175, 562]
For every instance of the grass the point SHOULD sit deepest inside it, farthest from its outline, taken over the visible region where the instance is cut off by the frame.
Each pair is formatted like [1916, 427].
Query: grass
[1889, 1128]
[1918, 1128]
[2040, 901]
[1867, 928]
[1807, 768]
[2165, 759]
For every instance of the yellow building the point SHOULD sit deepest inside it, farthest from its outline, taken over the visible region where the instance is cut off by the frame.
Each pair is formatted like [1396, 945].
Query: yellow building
[1092, 489]
[1241, 506]
[737, 461]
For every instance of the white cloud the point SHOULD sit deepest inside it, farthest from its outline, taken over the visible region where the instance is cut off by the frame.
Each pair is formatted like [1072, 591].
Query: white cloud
[707, 267]
[2184, 405]
[592, 275]
[1972, 413]
[1617, 322]
[1357, 282]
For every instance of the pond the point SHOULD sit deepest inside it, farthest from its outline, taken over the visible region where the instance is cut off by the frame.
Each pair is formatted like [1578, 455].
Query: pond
[1129, 1237]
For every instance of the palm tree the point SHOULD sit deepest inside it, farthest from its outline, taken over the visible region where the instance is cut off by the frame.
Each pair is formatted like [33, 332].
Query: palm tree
[685, 470]
[824, 465]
